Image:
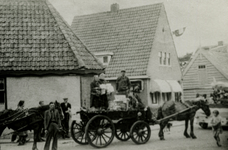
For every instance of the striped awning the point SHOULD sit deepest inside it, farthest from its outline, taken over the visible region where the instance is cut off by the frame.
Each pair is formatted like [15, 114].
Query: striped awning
[158, 85]
[175, 86]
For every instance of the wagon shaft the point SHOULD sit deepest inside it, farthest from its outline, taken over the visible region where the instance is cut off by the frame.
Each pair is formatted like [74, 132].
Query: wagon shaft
[173, 115]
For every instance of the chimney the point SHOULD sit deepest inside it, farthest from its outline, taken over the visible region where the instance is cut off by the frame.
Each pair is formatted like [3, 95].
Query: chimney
[115, 7]
[220, 43]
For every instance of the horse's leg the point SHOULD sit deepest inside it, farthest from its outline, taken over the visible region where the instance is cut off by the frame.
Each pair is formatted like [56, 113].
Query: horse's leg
[35, 137]
[186, 129]
[192, 128]
[162, 126]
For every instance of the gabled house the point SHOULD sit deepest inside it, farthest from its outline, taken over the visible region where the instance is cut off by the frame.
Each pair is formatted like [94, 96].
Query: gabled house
[209, 63]
[138, 40]
[40, 57]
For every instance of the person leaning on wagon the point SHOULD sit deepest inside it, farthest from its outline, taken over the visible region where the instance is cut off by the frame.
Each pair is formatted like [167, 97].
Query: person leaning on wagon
[95, 92]
[123, 84]
[103, 96]
[136, 100]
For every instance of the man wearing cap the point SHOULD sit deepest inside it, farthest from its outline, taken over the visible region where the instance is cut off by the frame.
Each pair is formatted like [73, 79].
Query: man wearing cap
[41, 133]
[52, 124]
[66, 108]
[123, 83]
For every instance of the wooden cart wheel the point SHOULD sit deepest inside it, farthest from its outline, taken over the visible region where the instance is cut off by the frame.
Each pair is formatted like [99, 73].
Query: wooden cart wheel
[140, 132]
[123, 133]
[100, 131]
[78, 132]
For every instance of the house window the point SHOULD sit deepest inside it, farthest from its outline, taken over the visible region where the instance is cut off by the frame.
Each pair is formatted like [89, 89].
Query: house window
[202, 72]
[177, 97]
[201, 66]
[105, 59]
[160, 57]
[135, 83]
[2, 91]
[164, 58]
[168, 96]
[168, 57]
[155, 97]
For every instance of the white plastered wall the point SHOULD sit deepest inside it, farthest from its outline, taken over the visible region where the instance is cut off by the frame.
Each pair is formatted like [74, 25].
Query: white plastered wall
[35, 89]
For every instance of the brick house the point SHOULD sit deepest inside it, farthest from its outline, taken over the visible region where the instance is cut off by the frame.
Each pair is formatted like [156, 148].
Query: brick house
[40, 56]
[138, 40]
[209, 63]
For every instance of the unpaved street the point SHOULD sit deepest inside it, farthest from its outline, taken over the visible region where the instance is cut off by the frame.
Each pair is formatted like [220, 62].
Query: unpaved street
[174, 141]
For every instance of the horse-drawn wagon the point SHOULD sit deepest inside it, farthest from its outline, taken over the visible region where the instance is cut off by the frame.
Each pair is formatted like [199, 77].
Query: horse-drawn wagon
[98, 128]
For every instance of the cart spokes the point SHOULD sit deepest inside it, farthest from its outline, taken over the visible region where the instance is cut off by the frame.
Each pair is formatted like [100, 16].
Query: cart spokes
[100, 131]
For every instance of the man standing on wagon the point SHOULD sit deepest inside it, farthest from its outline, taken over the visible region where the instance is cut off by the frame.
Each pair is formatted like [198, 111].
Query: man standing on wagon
[123, 83]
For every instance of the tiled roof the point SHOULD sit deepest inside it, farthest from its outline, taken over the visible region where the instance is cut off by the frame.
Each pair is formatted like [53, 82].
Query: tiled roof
[33, 36]
[218, 56]
[128, 33]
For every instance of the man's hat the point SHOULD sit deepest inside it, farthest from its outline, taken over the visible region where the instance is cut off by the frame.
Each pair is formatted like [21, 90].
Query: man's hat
[123, 70]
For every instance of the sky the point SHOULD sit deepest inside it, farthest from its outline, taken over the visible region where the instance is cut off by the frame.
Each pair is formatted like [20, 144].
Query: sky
[206, 21]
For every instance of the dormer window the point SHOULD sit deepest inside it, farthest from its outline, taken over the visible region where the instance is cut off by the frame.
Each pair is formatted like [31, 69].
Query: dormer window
[104, 57]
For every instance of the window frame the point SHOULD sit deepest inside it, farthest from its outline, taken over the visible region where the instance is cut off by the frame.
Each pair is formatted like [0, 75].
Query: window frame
[169, 60]
[164, 58]
[160, 58]
[202, 69]
[141, 84]
[155, 97]
[105, 58]
[3, 90]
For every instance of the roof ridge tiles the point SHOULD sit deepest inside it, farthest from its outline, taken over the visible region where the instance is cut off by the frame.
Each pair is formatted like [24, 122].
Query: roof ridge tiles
[130, 8]
[39, 39]
[58, 20]
[125, 32]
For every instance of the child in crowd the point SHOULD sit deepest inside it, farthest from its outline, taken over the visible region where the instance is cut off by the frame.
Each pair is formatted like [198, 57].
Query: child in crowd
[216, 126]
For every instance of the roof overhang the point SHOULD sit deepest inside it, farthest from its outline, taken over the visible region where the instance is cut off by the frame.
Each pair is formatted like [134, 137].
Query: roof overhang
[82, 72]
[130, 77]
[103, 53]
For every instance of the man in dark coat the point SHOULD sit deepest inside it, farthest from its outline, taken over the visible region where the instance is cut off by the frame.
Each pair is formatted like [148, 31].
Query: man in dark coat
[103, 96]
[123, 83]
[66, 108]
[52, 124]
[95, 91]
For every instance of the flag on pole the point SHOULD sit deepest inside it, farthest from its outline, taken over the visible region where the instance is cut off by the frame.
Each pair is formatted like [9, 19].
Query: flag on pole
[179, 32]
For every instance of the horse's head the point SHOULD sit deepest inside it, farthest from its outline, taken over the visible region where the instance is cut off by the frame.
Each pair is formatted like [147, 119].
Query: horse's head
[203, 104]
[59, 108]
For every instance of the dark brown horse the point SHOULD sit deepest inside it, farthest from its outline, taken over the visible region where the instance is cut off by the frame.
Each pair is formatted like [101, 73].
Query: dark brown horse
[32, 119]
[186, 116]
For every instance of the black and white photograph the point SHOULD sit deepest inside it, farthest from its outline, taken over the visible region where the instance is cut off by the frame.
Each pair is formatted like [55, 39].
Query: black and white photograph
[113, 74]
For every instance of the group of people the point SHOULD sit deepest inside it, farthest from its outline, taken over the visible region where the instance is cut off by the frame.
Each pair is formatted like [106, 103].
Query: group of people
[99, 98]
[219, 94]
[52, 124]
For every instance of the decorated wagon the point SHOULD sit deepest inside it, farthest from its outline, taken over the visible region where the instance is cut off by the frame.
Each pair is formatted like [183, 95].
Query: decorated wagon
[98, 128]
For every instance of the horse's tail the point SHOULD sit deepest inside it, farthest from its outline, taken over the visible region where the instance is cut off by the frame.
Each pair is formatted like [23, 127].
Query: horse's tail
[159, 114]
